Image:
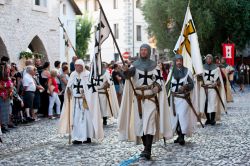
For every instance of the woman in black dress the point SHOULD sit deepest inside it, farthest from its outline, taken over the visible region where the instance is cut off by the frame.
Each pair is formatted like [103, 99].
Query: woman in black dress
[44, 95]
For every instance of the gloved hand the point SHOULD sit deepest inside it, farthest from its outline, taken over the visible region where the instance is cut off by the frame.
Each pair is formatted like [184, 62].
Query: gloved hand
[125, 67]
[183, 88]
[216, 84]
[155, 89]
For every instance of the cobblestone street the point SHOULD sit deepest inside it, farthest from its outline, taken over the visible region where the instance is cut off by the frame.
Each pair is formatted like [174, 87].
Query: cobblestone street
[227, 143]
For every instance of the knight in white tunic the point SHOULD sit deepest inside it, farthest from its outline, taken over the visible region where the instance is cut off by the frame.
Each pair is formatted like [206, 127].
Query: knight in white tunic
[183, 119]
[107, 95]
[79, 116]
[213, 96]
[144, 114]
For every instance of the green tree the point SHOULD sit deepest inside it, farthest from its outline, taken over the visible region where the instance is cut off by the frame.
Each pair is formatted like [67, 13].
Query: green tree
[215, 21]
[83, 34]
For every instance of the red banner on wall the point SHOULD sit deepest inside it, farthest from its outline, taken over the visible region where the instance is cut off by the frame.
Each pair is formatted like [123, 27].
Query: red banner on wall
[228, 52]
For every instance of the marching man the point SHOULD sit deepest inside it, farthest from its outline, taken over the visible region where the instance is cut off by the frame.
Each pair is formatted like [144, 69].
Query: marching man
[213, 97]
[144, 114]
[81, 114]
[184, 116]
[107, 95]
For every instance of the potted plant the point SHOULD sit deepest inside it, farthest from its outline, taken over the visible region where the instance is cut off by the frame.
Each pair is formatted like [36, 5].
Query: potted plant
[26, 55]
[38, 55]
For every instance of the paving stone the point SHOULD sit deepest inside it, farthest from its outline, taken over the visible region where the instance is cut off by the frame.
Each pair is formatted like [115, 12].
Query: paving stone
[226, 143]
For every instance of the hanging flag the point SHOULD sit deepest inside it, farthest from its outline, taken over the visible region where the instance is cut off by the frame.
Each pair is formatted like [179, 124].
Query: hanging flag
[101, 34]
[228, 52]
[66, 37]
[67, 43]
[188, 45]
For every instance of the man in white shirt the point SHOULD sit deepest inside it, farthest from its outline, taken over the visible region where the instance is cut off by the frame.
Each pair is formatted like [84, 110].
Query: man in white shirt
[29, 90]
[27, 63]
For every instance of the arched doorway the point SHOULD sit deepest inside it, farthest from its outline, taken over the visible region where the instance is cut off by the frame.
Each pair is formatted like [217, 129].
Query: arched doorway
[36, 46]
[3, 50]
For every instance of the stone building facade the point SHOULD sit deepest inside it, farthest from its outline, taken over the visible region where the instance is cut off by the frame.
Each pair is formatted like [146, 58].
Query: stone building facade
[33, 25]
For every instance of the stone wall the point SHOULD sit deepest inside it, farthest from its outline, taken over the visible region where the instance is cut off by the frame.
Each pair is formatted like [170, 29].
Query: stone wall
[21, 22]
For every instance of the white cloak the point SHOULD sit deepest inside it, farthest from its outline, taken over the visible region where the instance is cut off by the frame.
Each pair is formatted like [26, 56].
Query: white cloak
[214, 103]
[82, 123]
[130, 126]
[104, 102]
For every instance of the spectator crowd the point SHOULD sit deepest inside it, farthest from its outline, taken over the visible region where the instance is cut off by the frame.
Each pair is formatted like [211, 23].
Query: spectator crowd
[37, 90]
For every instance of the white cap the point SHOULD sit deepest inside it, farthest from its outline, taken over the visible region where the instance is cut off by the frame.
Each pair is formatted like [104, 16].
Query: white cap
[80, 62]
[209, 55]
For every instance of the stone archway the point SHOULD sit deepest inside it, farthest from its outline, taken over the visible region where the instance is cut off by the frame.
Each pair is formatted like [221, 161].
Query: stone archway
[3, 50]
[36, 46]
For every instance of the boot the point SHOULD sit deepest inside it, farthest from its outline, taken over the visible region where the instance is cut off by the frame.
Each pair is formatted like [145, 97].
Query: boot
[105, 121]
[178, 131]
[12, 126]
[213, 122]
[4, 129]
[148, 146]
[208, 119]
[87, 141]
[182, 140]
[177, 140]
[143, 138]
[75, 142]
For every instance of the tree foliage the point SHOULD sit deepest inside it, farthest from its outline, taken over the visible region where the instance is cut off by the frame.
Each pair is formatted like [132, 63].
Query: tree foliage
[83, 34]
[215, 21]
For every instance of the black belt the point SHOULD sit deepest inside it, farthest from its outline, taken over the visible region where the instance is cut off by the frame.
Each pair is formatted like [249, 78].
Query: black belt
[29, 92]
[78, 97]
